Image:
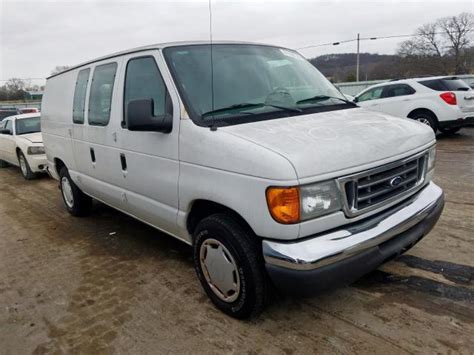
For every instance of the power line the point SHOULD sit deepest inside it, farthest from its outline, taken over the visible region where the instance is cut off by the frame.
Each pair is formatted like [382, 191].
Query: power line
[367, 39]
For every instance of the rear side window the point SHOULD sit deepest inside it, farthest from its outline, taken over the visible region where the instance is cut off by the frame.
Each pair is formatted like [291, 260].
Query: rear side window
[397, 90]
[446, 84]
[100, 97]
[372, 94]
[79, 104]
[143, 81]
[456, 85]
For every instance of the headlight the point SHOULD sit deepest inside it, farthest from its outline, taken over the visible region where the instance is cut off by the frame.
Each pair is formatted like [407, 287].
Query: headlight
[35, 150]
[431, 159]
[319, 199]
[295, 204]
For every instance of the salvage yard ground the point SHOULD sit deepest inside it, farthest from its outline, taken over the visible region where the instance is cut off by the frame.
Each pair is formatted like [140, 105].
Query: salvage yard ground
[111, 284]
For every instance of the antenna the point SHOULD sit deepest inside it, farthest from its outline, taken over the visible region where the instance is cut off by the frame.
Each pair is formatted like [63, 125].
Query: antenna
[212, 63]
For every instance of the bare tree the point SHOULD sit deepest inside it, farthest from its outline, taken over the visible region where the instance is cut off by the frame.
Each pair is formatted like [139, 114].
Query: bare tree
[456, 30]
[15, 85]
[441, 45]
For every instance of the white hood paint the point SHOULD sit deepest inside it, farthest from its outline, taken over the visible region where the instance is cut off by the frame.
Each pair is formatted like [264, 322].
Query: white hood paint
[327, 142]
[33, 137]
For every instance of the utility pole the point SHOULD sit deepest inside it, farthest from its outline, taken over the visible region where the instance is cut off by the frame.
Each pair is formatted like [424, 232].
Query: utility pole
[357, 67]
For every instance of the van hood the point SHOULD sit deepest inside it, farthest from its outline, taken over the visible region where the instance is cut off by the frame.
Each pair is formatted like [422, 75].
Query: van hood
[32, 137]
[327, 142]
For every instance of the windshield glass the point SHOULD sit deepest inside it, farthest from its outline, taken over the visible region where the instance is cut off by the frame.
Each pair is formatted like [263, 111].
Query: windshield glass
[248, 82]
[28, 125]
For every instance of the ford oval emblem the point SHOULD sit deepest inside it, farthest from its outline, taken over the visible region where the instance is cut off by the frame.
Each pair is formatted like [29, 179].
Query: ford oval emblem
[395, 181]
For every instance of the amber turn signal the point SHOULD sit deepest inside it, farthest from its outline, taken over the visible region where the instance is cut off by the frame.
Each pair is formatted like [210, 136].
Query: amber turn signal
[284, 204]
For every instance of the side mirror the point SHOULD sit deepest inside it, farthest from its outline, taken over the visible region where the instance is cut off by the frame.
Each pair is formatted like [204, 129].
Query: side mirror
[5, 131]
[140, 117]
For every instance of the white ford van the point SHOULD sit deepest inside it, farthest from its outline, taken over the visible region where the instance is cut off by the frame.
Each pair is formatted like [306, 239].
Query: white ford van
[247, 153]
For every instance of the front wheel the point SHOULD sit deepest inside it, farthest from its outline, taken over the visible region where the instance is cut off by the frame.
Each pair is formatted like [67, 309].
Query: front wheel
[76, 201]
[25, 167]
[230, 266]
[427, 119]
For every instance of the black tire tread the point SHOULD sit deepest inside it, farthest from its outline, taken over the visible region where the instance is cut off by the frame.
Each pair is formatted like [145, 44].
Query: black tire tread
[248, 242]
[82, 202]
[29, 174]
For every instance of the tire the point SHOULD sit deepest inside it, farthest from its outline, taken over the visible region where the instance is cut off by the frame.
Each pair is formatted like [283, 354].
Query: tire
[3, 164]
[77, 202]
[449, 131]
[426, 118]
[25, 167]
[234, 249]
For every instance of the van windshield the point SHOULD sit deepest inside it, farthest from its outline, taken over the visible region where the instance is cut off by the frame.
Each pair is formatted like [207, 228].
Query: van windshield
[248, 83]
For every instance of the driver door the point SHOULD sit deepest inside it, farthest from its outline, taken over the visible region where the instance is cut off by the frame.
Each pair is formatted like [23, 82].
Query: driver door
[7, 144]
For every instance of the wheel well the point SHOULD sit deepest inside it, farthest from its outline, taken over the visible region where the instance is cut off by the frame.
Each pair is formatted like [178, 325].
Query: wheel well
[18, 150]
[58, 163]
[201, 209]
[422, 110]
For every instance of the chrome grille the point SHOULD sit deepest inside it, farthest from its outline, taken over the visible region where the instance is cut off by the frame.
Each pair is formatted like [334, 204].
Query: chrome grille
[373, 188]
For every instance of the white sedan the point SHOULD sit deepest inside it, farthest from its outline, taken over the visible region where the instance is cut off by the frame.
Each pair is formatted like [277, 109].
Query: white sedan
[21, 144]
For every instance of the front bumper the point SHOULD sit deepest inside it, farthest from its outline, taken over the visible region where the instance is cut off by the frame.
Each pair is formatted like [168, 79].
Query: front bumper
[462, 122]
[37, 162]
[341, 256]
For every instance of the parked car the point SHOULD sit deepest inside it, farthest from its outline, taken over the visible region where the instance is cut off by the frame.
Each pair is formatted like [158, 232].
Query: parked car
[258, 162]
[443, 103]
[7, 112]
[28, 110]
[21, 144]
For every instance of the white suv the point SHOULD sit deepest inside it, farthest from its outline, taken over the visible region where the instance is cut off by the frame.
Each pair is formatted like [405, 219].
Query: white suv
[443, 103]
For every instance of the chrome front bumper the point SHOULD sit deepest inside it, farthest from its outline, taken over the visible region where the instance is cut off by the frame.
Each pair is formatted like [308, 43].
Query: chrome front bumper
[354, 250]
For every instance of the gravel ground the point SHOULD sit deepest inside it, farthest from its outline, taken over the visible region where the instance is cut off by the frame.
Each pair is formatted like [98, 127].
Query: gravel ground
[110, 284]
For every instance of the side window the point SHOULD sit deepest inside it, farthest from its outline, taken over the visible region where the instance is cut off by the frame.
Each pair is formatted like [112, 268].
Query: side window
[373, 94]
[397, 90]
[100, 97]
[9, 125]
[79, 104]
[143, 81]
[435, 84]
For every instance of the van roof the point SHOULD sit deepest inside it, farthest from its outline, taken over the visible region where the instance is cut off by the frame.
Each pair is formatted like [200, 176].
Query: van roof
[152, 46]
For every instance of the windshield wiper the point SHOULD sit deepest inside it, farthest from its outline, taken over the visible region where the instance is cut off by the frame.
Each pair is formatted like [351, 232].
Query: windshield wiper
[318, 98]
[248, 105]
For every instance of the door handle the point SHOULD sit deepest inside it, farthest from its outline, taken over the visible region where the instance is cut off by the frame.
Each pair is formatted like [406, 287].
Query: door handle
[123, 161]
[92, 155]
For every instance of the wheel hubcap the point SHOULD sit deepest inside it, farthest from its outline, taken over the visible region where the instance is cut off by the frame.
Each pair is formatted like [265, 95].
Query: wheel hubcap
[424, 121]
[23, 168]
[67, 192]
[220, 270]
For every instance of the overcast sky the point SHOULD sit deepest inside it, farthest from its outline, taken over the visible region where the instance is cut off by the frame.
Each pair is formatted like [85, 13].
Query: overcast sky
[36, 36]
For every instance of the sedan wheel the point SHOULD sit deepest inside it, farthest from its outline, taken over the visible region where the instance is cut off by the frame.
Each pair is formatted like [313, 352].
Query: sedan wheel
[23, 167]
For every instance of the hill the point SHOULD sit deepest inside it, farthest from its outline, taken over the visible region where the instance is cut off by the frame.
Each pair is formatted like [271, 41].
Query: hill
[342, 67]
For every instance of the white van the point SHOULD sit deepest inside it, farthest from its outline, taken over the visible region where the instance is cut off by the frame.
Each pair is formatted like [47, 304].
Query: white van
[247, 153]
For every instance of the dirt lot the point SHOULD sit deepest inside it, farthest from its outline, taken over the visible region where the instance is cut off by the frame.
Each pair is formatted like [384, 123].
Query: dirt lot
[68, 284]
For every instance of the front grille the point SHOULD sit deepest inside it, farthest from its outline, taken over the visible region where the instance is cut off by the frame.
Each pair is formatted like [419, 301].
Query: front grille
[371, 189]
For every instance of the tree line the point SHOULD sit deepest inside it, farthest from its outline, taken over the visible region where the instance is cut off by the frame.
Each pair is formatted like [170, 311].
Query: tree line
[443, 47]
